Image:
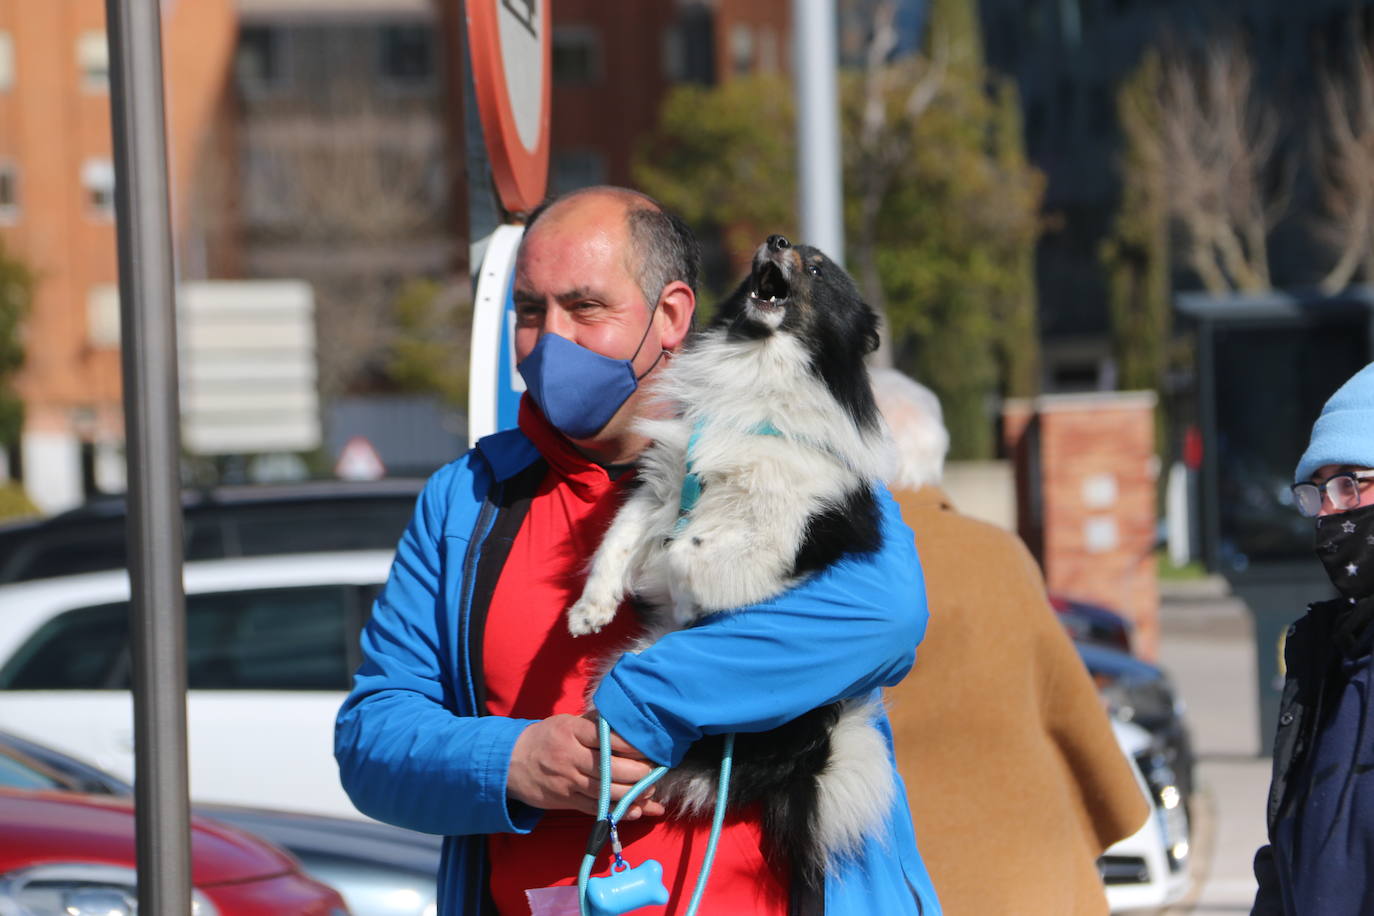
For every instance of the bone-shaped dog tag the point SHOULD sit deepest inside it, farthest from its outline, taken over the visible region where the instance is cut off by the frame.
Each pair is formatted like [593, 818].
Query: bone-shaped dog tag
[627, 889]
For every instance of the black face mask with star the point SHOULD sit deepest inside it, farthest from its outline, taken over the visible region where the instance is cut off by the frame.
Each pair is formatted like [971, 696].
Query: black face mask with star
[1345, 545]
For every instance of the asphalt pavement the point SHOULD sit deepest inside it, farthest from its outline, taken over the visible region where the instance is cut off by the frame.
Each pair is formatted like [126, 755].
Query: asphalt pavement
[1207, 647]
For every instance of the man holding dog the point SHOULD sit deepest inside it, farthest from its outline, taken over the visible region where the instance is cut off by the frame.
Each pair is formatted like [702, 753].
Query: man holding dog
[466, 715]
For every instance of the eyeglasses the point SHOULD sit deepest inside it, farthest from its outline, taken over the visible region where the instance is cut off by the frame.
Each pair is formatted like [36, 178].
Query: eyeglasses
[1342, 489]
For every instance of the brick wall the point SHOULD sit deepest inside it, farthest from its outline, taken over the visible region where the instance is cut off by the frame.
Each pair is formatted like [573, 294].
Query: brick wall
[609, 113]
[1018, 434]
[1088, 507]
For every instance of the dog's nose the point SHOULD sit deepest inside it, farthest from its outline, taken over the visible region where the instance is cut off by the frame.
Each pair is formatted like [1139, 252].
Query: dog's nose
[778, 242]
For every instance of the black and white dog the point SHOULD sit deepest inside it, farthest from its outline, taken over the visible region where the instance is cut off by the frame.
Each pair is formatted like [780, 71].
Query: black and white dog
[764, 473]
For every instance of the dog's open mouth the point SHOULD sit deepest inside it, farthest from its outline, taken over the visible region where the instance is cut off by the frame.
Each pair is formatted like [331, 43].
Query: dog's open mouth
[770, 286]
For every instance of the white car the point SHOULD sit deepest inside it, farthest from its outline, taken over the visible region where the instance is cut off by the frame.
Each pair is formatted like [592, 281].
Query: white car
[1149, 868]
[272, 644]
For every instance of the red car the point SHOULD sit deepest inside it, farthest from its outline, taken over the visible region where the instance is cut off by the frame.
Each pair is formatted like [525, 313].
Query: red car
[71, 854]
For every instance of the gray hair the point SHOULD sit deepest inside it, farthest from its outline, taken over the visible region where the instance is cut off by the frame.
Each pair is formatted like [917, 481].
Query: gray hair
[665, 251]
[913, 413]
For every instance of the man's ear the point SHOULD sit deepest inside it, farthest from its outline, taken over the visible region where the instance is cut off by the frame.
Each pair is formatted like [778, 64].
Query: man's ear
[676, 305]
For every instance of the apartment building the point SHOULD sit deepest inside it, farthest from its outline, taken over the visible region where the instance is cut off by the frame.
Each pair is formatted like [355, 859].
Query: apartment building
[315, 140]
[57, 215]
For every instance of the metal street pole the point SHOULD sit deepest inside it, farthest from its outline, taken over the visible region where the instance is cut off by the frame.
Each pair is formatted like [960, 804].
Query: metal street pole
[819, 183]
[149, 360]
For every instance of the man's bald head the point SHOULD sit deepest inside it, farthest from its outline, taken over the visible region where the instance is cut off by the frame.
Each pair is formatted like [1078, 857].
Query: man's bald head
[661, 247]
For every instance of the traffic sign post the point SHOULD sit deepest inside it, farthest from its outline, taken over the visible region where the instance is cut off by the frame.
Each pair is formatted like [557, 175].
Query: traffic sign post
[509, 44]
[149, 362]
[509, 51]
[494, 384]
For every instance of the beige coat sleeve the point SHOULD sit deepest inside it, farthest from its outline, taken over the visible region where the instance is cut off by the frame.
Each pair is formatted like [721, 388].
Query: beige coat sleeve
[1112, 806]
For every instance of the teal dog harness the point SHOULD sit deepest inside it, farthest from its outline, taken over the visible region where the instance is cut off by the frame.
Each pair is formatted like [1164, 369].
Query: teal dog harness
[691, 483]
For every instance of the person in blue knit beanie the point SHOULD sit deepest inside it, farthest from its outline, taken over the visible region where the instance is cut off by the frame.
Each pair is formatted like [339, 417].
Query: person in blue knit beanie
[1321, 800]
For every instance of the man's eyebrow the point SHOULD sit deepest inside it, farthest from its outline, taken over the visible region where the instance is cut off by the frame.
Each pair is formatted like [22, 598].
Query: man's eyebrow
[577, 292]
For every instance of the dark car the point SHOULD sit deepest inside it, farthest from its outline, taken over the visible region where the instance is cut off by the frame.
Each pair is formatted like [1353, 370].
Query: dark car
[380, 870]
[1092, 623]
[233, 521]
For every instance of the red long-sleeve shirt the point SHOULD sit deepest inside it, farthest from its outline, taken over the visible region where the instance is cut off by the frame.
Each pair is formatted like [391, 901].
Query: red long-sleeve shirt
[534, 669]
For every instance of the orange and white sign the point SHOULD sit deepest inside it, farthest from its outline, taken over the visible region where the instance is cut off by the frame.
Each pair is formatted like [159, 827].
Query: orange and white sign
[509, 43]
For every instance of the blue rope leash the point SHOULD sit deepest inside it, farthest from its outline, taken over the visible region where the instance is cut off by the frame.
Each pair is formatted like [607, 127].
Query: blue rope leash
[727, 757]
[606, 819]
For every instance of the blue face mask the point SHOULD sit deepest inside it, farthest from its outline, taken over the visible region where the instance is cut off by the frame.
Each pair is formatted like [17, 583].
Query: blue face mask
[579, 390]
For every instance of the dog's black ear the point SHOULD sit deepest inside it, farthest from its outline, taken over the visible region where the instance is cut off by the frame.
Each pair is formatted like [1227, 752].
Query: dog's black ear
[870, 336]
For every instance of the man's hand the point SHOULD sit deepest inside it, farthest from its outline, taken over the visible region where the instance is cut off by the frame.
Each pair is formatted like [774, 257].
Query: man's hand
[554, 766]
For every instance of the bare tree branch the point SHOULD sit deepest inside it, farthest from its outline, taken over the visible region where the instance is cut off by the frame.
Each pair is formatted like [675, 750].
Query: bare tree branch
[1221, 152]
[895, 96]
[346, 182]
[1344, 170]
[357, 172]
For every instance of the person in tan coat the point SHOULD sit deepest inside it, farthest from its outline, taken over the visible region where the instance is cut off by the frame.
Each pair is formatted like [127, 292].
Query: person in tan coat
[1015, 780]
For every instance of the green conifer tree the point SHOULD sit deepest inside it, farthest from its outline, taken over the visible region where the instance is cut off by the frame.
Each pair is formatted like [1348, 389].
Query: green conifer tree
[953, 29]
[430, 343]
[16, 296]
[1135, 256]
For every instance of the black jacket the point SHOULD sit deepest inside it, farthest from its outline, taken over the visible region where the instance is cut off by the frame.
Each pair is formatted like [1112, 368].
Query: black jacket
[1309, 654]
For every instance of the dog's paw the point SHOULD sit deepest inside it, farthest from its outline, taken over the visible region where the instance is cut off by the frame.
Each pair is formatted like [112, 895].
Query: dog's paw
[587, 617]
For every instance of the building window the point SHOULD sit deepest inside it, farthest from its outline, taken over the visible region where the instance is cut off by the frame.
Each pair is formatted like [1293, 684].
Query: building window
[576, 168]
[741, 48]
[406, 55]
[674, 54]
[1035, 125]
[102, 316]
[1077, 376]
[1101, 112]
[9, 192]
[1088, 15]
[576, 56]
[259, 63]
[98, 178]
[267, 186]
[1065, 105]
[1070, 22]
[689, 48]
[6, 61]
[93, 60]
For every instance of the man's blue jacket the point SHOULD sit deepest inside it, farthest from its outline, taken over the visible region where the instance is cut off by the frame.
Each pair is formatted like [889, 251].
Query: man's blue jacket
[415, 750]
